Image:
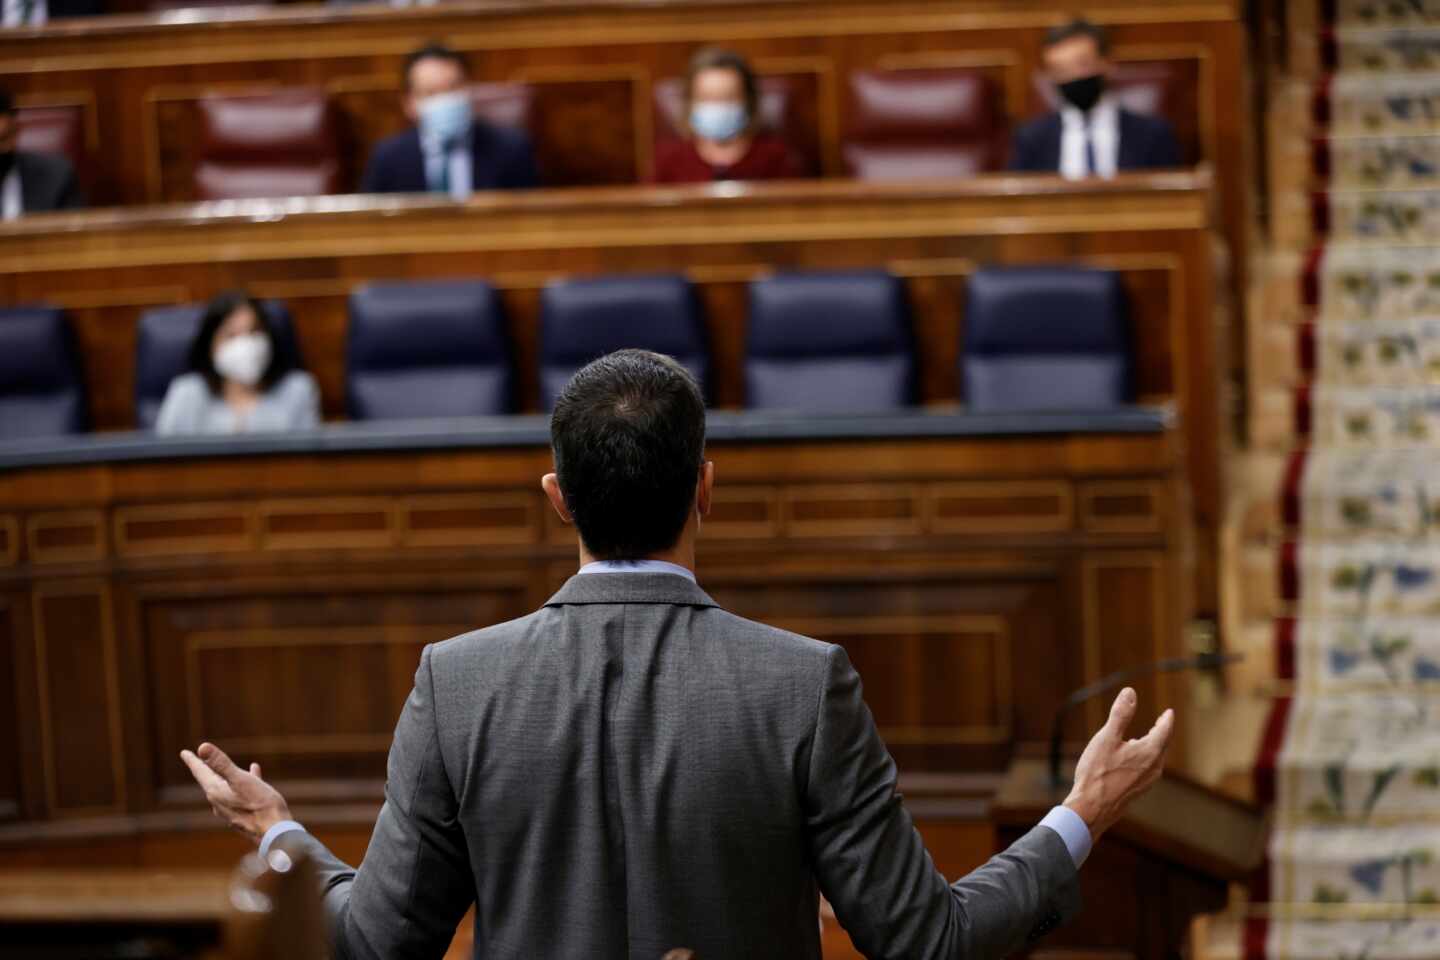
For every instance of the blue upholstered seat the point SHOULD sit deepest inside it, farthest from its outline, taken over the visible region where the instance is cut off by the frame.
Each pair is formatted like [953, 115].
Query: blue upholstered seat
[434, 348]
[829, 342]
[584, 319]
[162, 350]
[42, 389]
[1046, 338]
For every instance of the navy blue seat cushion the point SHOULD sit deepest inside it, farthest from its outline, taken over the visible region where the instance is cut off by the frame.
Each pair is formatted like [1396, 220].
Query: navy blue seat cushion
[162, 350]
[42, 390]
[581, 320]
[1046, 338]
[829, 342]
[427, 349]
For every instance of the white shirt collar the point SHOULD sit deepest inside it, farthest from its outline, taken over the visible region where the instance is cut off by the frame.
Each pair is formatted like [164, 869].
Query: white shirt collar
[638, 566]
[12, 199]
[1105, 113]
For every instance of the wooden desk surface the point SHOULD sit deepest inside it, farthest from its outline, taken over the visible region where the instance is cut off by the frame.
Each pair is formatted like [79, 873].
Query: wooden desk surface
[277, 601]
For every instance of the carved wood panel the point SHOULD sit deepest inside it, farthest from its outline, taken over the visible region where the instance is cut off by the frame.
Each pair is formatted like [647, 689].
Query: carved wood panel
[308, 680]
[79, 698]
[10, 748]
[946, 659]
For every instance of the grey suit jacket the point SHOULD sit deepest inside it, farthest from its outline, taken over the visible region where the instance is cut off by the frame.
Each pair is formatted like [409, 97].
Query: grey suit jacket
[47, 182]
[632, 769]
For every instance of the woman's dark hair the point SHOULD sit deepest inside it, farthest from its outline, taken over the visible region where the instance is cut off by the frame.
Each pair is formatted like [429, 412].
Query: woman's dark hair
[719, 58]
[628, 434]
[202, 347]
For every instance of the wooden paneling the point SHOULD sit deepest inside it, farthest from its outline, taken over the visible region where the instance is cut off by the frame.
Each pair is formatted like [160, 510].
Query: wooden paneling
[594, 65]
[9, 713]
[1155, 230]
[278, 603]
[307, 678]
[79, 697]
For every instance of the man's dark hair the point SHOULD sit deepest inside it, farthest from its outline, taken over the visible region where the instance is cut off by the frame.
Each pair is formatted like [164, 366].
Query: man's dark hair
[202, 348]
[7, 103]
[628, 435]
[434, 50]
[1079, 27]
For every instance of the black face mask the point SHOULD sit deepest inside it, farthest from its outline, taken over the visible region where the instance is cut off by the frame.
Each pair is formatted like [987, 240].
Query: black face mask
[1083, 93]
[7, 160]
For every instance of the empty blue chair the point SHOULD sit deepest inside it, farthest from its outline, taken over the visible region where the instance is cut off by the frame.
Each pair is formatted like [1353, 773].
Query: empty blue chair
[829, 342]
[42, 389]
[1046, 338]
[427, 349]
[162, 350]
[584, 319]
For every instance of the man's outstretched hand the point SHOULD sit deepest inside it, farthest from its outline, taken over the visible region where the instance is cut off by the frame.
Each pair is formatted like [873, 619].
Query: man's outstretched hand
[239, 797]
[1113, 770]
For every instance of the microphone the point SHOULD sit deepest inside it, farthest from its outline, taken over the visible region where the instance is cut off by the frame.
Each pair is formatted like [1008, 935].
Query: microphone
[1204, 661]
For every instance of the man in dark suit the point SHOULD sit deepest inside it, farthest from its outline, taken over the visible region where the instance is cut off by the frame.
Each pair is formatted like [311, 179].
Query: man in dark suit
[448, 150]
[1091, 135]
[31, 182]
[631, 768]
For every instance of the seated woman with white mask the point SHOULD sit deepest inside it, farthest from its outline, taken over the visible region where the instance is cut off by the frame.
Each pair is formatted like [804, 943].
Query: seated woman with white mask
[722, 118]
[237, 382]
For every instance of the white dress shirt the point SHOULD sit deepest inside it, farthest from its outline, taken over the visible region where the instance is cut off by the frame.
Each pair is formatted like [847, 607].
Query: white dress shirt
[1067, 823]
[1102, 127]
[39, 13]
[11, 199]
[458, 161]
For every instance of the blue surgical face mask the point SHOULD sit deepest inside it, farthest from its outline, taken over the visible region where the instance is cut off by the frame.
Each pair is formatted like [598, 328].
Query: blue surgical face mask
[445, 117]
[718, 121]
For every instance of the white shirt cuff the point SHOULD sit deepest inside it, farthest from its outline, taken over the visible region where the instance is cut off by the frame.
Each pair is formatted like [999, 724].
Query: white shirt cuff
[284, 826]
[1072, 829]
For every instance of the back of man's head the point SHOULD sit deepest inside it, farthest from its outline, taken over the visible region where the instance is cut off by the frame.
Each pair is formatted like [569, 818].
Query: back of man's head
[628, 435]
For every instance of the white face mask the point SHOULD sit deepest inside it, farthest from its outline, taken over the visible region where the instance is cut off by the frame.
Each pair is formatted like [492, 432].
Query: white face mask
[243, 358]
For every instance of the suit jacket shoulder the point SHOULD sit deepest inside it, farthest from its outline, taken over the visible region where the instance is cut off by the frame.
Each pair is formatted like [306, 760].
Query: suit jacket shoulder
[47, 182]
[1147, 141]
[503, 158]
[1035, 146]
[396, 165]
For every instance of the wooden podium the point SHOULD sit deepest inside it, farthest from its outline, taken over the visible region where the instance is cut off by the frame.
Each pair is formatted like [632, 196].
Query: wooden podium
[1173, 856]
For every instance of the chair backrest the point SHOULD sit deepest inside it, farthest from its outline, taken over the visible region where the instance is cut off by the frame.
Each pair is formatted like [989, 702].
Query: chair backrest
[42, 390]
[504, 104]
[583, 319]
[54, 130]
[283, 143]
[933, 122]
[779, 114]
[435, 348]
[1046, 338]
[829, 342]
[162, 350]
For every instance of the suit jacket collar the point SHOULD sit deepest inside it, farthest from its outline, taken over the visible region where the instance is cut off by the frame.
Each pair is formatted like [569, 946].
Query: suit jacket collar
[631, 588]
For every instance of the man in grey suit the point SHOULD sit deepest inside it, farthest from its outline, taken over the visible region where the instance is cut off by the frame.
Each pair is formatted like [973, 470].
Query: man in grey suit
[632, 768]
[31, 182]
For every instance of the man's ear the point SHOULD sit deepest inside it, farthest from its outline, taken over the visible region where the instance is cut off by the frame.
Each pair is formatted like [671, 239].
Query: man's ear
[551, 485]
[705, 489]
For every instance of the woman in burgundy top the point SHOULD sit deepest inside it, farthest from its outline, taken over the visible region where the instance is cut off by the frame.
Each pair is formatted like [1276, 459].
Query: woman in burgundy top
[723, 140]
